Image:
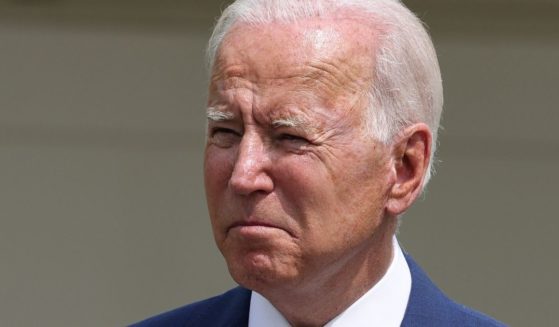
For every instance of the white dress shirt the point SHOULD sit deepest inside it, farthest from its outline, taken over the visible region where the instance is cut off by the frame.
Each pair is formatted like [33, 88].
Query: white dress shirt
[383, 305]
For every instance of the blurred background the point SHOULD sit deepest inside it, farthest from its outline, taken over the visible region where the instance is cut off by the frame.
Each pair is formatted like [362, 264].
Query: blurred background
[102, 212]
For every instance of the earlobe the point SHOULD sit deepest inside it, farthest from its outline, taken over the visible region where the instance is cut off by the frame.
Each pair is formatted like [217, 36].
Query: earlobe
[411, 156]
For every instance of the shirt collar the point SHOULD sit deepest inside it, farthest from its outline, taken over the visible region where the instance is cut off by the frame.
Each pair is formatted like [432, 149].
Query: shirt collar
[383, 305]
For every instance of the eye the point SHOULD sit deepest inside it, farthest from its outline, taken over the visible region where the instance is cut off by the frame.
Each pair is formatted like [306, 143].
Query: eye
[292, 142]
[223, 130]
[223, 137]
[291, 137]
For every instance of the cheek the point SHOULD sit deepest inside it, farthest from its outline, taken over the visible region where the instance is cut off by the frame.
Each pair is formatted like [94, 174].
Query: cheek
[307, 194]
[313, 184]
[217, 172]
[333, 199]
[302, 180]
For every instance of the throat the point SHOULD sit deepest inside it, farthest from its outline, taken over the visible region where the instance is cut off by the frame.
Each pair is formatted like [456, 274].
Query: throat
[317, 302]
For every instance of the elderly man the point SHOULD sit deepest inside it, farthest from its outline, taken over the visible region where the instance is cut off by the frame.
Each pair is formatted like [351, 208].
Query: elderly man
[322, 121]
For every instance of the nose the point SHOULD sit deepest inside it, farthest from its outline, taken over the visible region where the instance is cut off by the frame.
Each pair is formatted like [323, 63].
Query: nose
[252, 167]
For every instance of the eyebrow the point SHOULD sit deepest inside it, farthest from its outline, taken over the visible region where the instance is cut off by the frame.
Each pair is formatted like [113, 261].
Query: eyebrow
[294, 122]
[216, 115]
[287, 122]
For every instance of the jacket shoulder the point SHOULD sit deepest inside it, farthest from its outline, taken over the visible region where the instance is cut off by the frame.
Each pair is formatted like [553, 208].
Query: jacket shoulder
[228, 309]
[453, 314]
[429, 306]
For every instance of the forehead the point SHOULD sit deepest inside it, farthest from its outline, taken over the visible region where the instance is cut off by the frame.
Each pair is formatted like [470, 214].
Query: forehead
[318, 68]
[282, 50]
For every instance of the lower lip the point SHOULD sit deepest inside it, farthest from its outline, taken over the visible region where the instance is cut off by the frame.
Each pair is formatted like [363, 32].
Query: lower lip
[255, 230]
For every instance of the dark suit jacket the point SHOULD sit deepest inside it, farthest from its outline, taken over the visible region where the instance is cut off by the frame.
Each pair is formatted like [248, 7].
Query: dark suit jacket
[427, 306]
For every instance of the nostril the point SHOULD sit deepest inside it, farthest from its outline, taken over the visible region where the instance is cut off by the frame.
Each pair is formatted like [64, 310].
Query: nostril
[244, 180]
[250, 176]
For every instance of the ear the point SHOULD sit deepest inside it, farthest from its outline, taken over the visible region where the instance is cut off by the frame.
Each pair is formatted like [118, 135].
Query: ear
[411, 154]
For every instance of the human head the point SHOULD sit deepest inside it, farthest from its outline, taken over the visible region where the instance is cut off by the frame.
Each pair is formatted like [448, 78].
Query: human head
[407, 84]
[301, 189]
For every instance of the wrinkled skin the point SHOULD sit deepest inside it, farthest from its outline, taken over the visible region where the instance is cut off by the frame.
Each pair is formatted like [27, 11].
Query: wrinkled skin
[297, 194]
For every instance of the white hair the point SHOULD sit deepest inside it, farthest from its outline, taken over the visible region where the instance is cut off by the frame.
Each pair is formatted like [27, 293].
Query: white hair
[407, 85]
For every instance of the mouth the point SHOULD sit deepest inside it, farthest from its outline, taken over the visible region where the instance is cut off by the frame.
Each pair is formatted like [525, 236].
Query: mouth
[251, 224]
[251, 227]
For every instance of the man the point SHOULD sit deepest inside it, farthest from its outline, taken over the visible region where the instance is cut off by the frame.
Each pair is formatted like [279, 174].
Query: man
[322, 121]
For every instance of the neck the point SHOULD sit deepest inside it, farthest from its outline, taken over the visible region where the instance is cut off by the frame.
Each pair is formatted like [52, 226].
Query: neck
[338, 288]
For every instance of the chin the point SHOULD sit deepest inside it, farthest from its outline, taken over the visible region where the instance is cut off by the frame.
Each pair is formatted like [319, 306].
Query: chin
[262, 271]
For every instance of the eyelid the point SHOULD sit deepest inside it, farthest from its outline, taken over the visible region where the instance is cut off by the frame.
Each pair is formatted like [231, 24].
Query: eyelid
[295, 131]
[216, 129]
[291, 136]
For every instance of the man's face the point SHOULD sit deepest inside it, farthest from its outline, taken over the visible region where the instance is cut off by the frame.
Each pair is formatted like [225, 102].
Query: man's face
[295, 190]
